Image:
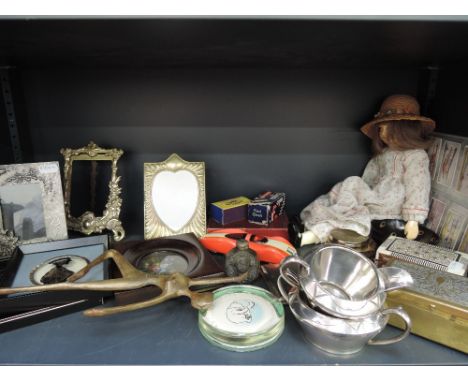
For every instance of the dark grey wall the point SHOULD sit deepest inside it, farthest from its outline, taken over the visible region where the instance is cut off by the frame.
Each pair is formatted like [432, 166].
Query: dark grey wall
[287, 130]
[6, 153]
[450, 106]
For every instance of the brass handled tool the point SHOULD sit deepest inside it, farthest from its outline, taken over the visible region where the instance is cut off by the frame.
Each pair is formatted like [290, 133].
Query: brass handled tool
[171, 285]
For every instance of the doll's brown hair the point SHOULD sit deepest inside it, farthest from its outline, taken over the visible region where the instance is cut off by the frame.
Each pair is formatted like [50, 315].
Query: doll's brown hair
[404, 135]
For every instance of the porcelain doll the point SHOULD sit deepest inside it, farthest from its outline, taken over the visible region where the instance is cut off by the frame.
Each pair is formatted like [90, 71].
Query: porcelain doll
[395, 184]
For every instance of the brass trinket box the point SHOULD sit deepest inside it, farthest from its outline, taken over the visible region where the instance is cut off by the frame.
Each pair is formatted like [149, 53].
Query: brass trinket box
[437, 304]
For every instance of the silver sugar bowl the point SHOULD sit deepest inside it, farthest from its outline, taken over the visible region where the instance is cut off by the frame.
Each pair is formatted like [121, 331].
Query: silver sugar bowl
[341, 336]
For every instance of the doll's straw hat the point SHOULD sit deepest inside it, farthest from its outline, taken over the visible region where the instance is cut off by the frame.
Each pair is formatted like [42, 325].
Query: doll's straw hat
[396, 108]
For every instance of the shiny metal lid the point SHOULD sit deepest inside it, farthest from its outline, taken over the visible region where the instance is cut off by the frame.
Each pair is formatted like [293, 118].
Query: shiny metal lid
[349, 238]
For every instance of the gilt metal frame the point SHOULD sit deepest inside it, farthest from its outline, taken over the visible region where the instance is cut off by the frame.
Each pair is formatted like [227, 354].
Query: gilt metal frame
[88, 223]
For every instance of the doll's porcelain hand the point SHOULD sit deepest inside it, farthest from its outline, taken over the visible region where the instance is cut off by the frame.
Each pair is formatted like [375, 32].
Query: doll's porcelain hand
[309, 237]
[411, 229]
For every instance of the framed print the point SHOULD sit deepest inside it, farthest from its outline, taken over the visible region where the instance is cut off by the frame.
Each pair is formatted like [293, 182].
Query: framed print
[436, 212]
[462, 178]
[54, 262]
[175, 199]
[31, 202]
[50, 262]
[448, 163]
[452, 226]
[434, 153]
[178, 253]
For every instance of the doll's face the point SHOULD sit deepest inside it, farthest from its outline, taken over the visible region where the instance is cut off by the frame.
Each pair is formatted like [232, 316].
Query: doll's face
[384, 134]
[400, 135]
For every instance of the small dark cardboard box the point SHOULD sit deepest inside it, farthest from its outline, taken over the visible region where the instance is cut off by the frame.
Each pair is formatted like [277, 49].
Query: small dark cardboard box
[266, 207]
[230, 210]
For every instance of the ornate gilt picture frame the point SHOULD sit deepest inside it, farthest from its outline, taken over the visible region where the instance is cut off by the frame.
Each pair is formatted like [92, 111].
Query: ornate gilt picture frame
[175, 200]
[88, 223]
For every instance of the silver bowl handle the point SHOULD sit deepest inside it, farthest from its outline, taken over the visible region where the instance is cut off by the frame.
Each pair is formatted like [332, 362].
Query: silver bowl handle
[406, 319]
[288, 275]
[281, 289]
[291, 297]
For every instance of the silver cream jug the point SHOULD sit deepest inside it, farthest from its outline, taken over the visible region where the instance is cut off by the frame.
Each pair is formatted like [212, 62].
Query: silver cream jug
[341, 281]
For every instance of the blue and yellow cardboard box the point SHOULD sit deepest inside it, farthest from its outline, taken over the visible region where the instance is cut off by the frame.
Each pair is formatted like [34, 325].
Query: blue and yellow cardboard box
[266, 207]
[230, 210]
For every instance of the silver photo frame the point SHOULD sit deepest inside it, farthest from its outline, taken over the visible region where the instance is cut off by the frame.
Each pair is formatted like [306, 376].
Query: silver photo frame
[31, 202]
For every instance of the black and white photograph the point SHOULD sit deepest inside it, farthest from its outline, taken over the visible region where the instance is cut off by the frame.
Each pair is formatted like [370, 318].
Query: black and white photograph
[22, 210]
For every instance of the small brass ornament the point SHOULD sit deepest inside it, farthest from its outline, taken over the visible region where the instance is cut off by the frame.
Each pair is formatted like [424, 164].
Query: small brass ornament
[8, 243]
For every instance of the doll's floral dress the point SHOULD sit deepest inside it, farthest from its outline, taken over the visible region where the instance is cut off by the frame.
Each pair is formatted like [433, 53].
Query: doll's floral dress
[394, 185]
